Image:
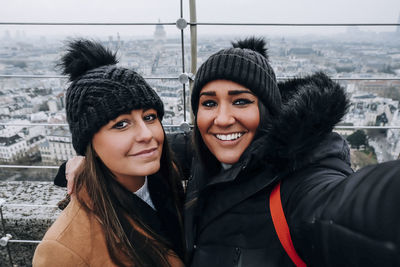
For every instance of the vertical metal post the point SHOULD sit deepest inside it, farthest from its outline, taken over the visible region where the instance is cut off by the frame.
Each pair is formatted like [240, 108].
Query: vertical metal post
[4, 231]
[193, 47]
[183, 65]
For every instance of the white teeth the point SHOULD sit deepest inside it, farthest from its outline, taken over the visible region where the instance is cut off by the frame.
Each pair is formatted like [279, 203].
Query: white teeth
[229, 137]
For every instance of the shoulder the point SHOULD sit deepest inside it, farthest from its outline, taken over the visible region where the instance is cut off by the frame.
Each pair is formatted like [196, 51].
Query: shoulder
[315, 176]
[71, 216]
[67, 239]
[54, 253]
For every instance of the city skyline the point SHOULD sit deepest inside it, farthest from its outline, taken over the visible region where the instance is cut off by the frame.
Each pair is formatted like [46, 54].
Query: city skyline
[250, 11]
[374, 102]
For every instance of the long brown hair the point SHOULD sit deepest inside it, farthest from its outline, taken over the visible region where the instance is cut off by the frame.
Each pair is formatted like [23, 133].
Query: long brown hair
[109, 202]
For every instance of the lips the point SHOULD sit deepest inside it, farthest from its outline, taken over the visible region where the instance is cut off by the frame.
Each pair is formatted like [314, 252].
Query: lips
[145, 152]
[229, 137]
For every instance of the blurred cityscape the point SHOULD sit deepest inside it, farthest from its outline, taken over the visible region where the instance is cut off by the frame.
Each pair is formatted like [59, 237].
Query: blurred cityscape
[349, 56]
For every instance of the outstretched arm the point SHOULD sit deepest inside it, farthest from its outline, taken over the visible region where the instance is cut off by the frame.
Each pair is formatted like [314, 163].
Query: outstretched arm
[181, 145]
[354, 221]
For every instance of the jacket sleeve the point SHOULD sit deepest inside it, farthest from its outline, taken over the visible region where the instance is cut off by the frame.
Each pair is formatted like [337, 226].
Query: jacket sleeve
[53, 253]
[351, 221]
[181, 146]
[60, 178]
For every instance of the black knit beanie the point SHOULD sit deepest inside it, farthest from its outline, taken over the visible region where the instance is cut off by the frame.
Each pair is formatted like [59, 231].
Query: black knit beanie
[245, 63]
[100, 91]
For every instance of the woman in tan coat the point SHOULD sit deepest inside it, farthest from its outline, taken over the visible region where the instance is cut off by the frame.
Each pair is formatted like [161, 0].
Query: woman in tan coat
[127, 201]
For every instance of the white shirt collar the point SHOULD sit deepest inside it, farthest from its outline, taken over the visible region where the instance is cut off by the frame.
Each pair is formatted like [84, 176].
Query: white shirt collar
[226, 166]
[144, 193]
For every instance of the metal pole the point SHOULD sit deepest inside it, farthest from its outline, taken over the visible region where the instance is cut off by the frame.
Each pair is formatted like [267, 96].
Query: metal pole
[4, 233]
[183, 65]
[296, 24]
[193, 48]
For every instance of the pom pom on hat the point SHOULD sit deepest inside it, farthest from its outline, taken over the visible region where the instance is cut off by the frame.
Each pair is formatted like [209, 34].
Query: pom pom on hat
[252, 43]
[83, 55]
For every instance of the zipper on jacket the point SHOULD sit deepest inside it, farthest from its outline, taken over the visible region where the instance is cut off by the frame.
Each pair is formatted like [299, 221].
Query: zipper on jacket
[237, 257]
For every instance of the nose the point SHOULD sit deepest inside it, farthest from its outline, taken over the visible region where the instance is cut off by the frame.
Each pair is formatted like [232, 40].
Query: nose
[143, 133]
[224, 116]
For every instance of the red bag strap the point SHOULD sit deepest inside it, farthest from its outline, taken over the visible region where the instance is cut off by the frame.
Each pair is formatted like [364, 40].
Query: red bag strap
[281, 226]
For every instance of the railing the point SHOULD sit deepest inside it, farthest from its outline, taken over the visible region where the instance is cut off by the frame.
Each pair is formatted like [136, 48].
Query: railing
[184, 78]
[8, 238]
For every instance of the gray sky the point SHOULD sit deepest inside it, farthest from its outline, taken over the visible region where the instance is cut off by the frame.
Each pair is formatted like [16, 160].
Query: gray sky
[259, 11]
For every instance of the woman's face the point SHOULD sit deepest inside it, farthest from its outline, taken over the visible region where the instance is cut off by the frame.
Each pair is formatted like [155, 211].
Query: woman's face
[131, 145]
[227, 118]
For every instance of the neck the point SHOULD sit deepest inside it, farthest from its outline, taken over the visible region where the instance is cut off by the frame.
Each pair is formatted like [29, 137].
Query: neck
[132, 184]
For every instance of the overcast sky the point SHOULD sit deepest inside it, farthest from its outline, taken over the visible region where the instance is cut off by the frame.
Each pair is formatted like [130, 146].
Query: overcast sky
[258, 11]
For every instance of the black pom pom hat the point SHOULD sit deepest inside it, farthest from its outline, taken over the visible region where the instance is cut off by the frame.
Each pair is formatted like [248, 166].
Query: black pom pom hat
[246, 63]
[100, 91]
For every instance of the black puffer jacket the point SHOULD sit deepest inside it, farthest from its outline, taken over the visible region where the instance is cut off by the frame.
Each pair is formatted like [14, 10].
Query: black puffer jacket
[335, 219]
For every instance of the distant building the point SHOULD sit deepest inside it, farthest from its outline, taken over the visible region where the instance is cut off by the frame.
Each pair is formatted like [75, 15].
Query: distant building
[369, 109]
[33, 147]
[45, 153]
[12, 130]
[12, 148]
[20, 109]
[52, 104]
[303, 51]
[393, 136]
[378, 85]
[39, 117]
[58, 147]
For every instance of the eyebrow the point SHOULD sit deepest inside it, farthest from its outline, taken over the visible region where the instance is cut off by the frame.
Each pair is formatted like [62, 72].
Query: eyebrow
[116, 119]
[232, 92]
[238, 92]
[212, 93]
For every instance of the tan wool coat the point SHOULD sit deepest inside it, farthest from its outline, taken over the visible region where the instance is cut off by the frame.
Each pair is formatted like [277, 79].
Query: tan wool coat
[76, 239]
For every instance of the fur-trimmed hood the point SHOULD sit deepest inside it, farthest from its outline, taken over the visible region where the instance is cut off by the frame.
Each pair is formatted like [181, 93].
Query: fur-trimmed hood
[311, 106]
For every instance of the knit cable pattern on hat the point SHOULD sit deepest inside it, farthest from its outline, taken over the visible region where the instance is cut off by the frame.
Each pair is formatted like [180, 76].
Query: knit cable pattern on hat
[244, 66]
[100, 95]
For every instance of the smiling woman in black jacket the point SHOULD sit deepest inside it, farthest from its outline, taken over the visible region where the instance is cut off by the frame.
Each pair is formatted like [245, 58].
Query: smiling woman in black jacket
[254, 136]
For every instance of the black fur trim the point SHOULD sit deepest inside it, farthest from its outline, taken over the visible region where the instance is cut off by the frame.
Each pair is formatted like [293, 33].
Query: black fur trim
[256, 44]
[311, 108]
[83, 55]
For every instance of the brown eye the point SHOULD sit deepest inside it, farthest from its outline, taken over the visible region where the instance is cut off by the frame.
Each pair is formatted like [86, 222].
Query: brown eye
[208, 103]
[120, 125]
[150, 117]
[242, 101]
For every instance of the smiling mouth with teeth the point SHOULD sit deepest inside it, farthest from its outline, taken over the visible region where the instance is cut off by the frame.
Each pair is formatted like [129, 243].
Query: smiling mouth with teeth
[229, 137]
